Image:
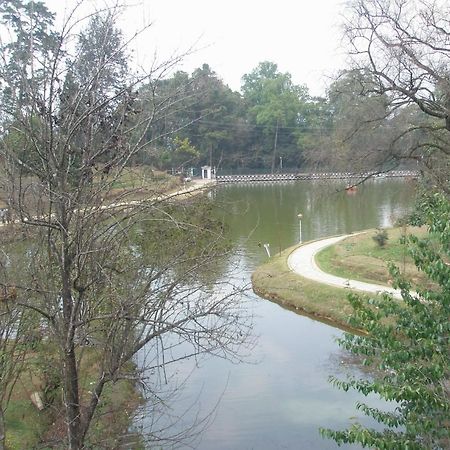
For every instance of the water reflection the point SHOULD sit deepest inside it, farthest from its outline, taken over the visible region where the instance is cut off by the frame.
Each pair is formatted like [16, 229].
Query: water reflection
[281, 398]
[325, 206]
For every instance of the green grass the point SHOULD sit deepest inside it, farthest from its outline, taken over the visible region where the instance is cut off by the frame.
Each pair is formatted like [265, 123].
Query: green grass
[360, 258]
[28, 428]
[24, 424]
[118, 402]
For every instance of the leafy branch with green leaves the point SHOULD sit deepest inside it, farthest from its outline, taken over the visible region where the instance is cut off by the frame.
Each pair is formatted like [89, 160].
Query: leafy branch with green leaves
[406, 344]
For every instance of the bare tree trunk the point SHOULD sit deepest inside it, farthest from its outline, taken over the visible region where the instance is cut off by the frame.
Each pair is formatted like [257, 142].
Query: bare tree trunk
[90, 410]
[72, 402]
[70, 370]
[275, 148]
[2, 430]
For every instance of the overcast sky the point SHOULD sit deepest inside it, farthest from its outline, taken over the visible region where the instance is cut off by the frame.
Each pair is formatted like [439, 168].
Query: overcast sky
[233, 36]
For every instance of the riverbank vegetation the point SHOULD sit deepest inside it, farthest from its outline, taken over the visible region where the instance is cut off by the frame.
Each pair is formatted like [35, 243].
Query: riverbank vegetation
[406, 343]
[95, 281]
[401, 48]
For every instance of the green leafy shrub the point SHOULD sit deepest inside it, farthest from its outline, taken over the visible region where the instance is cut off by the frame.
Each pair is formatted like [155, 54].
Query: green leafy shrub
[406, 343]
[381, 237]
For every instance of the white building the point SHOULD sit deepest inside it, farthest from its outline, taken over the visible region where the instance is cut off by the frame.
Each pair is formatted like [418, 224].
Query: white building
[208, 173]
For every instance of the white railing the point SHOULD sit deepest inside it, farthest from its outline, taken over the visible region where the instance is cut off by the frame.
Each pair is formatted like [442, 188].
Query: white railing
[313, 176]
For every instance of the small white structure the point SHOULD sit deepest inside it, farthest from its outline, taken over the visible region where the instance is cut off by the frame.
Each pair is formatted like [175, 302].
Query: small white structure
[4, 215]
[208, 173]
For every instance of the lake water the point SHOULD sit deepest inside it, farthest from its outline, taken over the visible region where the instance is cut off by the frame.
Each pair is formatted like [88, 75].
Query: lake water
[280, 396]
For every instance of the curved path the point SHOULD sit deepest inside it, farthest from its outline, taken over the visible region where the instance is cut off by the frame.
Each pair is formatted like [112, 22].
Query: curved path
[302, 261]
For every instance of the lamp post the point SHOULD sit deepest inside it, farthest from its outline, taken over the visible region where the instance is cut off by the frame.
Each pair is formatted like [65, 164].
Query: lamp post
[300, 226]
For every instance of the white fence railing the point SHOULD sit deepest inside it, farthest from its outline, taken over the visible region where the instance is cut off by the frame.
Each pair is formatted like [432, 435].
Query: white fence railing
[314, 176]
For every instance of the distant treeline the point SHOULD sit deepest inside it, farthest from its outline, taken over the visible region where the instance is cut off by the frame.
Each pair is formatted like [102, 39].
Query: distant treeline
[269, 125]
[272, 124]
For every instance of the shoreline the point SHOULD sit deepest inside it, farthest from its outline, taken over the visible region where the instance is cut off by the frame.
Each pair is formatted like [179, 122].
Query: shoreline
[187, 191]
[274, 281]
[294, 280]
[126, 393]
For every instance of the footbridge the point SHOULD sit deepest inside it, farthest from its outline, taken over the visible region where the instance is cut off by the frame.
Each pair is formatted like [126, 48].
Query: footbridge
[274, 177]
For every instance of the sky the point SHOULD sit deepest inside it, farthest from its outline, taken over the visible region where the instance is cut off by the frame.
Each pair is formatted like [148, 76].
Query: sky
[234, 36]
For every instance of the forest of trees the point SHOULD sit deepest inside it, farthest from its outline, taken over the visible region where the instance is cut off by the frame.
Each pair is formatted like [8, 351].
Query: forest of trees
[272, 124]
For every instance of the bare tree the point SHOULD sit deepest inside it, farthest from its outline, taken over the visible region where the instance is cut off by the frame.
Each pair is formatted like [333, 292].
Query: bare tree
[359, 134]
[102, 267]
[404, 46]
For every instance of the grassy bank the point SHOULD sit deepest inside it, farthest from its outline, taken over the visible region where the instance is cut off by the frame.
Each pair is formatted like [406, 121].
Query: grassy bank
[133, 183]
[276, 282]
[142, 182]
[27, 427]
[360, 258]
[357, 257]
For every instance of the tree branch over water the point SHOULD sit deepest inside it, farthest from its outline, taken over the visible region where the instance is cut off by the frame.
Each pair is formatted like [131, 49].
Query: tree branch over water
[116, 279]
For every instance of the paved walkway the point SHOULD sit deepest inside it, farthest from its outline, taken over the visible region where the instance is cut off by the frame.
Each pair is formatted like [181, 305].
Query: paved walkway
[193, 187]
[302, 261]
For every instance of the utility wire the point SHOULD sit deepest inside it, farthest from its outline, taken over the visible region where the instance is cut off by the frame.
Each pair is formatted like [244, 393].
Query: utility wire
[267, 127]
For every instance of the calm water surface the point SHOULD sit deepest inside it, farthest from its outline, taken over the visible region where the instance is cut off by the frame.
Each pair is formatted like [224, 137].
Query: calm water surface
[281, 396]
